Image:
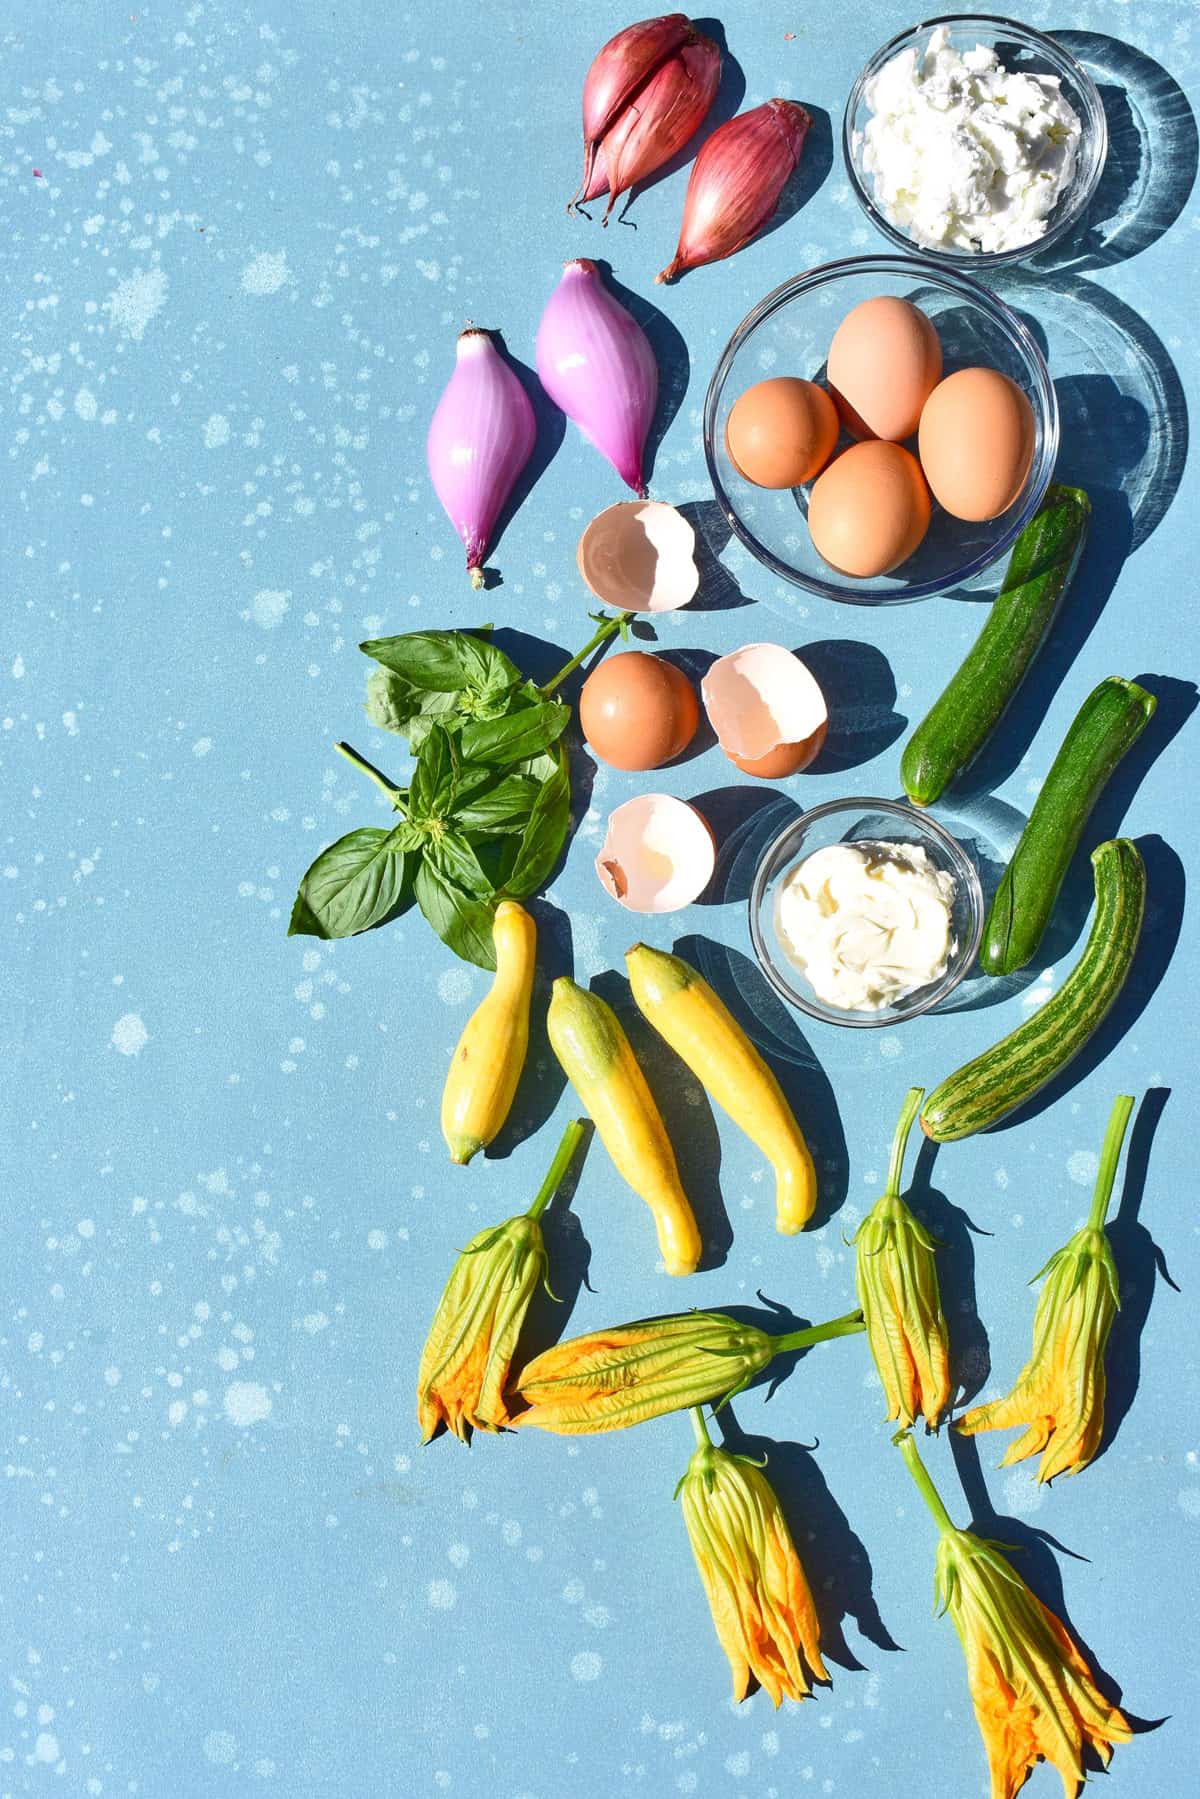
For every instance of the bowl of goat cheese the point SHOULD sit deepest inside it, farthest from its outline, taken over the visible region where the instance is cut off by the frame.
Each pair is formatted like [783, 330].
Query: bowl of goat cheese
[974, 139]
[865, 912]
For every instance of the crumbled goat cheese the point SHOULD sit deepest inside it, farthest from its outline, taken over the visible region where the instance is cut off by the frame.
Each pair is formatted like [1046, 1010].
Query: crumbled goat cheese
[964, 154]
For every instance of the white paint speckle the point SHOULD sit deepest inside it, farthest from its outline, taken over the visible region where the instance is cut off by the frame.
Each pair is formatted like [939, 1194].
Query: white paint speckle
[45, 1748]
[129, 1034]
[1082, 1166]
[442, 1595]
[1023, 1492]
[216, 431]
[587, 1665]
[266, 274]
[220, 1746]
[85, 404]
[137, 301]
[246, 1403]
[268, 607]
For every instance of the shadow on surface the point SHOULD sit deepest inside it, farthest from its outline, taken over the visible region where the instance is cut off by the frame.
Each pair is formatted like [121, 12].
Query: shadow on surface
[860, 688]
[551, 426]
[687, 1115]
[670, 353]
[718, 591]
[1152, 157]
[833, 1556]
[1123, 411]
[568, 1254]
[970, 1351]
[804, 1083]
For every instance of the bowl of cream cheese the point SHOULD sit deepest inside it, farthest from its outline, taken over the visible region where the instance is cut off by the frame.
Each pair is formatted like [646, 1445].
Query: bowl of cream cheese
[865, 912]
[974, 139]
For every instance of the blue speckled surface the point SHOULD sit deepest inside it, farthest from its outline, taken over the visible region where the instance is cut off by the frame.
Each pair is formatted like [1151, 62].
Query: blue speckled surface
[226, 1566]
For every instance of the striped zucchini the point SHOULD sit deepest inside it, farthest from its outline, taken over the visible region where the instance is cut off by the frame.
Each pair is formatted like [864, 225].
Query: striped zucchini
[1012, 1071]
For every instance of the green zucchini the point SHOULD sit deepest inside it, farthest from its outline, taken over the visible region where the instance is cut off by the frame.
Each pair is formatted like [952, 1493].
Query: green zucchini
[1013, 1070]
[1109, 723]
[954, 730]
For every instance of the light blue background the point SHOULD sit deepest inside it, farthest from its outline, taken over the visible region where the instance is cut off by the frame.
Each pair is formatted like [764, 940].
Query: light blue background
[226, 1565]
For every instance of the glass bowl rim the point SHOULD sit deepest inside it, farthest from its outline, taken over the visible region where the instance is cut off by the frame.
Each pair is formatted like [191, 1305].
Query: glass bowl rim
[955, 854]
[918, 268]
[1095, 137]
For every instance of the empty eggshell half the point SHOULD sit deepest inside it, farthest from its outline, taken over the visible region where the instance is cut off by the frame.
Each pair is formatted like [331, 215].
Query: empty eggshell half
[658, 854]
[639, 556]
[766, 709]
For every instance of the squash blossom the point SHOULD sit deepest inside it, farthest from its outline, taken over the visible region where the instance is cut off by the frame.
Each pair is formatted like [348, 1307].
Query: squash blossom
[611, 1379]
[760, 1600]
[897, 1282]
[468, 1353]
[1059, 1394]
[1033, 1694]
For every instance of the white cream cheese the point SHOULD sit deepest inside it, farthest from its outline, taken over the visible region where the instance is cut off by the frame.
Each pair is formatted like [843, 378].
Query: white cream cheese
[867, 922]
[966, 155]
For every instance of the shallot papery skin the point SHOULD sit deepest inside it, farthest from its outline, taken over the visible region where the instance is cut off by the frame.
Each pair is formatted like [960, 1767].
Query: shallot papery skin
[657, 121]
[596, 363]
[480, 438]
[736, 182]
[618, 70]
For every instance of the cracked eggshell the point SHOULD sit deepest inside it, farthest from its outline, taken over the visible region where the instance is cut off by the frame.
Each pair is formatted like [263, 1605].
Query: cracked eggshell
[768, 713]
[659, 854]
[639, 556]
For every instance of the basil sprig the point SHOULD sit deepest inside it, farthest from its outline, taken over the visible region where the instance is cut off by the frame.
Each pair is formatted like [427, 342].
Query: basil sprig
[487, 810]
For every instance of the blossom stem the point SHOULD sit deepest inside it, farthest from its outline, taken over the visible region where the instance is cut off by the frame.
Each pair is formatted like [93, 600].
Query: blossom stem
[912, 1106]
[703, 1440]
[903, 1440]
[845, 1326]
[608, 628]
[372, 773]
[1110, 1155]
[556, 1172]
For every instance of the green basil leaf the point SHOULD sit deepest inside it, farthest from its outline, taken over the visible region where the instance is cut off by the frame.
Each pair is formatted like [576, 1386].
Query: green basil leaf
[354, 884]
[444, 661]
[432, 785]
[453, 856]
[517, 735]
[394, 704]
[504, 807]
[545, 834]
[460, 920]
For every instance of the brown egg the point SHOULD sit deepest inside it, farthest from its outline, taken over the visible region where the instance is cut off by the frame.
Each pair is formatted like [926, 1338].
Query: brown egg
[781, 432]
[869, 510]
[884, 362]
[638, 711]
[976, 442]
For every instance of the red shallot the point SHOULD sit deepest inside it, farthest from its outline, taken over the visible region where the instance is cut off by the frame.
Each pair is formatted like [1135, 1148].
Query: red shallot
[480, 438]
[656, 121]
[618, 70]
[596, 363]
[736, 183]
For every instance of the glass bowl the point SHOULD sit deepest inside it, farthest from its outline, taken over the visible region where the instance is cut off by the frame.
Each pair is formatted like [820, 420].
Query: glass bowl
[852, 821]
[789, 333]
[1018, 47]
